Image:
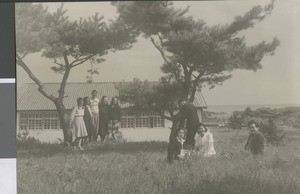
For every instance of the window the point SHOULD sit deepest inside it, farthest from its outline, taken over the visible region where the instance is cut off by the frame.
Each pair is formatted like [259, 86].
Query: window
[127, 120]
[158, 121]
[130, 122]
[51, 121]
[23, 121]
[138, 122]
[146, 121]
[123, 122]
[35, 121]
[47, 124]
[141, 120]
[39, 121]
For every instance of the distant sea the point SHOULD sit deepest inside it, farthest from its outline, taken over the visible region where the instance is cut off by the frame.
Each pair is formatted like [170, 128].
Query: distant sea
[231, 108]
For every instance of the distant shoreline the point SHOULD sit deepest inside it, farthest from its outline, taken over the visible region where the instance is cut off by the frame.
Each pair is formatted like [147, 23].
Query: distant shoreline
[231, 108]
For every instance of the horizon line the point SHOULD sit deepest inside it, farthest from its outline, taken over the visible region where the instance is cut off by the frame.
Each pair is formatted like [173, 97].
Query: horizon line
[254, 104]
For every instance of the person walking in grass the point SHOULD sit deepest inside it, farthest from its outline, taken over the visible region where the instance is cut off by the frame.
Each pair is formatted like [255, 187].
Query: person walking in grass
[77, 123]
[88, 120]
[95, 114]
[255, 142]
[205, 142]
[114, 117]
[103, 118]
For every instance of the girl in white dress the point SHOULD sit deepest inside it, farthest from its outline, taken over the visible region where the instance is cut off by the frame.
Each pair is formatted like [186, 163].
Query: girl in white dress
[77, 122]
[205, 142]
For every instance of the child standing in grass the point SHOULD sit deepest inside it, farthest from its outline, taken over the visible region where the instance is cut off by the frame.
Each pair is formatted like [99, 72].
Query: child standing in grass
[77, 123]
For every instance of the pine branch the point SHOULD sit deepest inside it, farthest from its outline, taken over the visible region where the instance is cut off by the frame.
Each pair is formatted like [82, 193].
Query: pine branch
[80, 61]
[61, 90]
[59, 64]
[159, 48]
[25, 54]
[41, 87]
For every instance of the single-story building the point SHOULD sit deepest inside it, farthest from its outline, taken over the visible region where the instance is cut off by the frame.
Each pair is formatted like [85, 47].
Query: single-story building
[36, 112]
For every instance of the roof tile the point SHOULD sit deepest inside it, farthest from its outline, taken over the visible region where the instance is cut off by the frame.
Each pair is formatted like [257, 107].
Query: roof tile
[29, 98]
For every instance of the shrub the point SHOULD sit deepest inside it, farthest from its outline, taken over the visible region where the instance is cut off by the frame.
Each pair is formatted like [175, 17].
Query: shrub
[265, 119]
[24, 140]
[271, 131]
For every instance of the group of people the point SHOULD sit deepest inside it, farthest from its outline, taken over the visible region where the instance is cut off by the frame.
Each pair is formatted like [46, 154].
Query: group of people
[92, 118]
[188, 135]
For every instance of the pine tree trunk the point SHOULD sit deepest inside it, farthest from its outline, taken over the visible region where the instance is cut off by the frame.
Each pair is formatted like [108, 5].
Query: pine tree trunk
[64, 121]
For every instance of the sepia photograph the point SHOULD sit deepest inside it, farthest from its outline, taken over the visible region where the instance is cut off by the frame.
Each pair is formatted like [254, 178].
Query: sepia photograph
[158, 97]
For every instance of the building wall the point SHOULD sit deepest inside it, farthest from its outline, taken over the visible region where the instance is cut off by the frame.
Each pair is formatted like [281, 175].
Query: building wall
[39, 120]
[145, 119]
[48, 120]
[200, 114]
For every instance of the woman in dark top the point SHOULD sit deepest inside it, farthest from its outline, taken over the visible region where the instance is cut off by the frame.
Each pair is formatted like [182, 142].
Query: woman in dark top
[114, 117]
[88, 118]
[176, 149]
[103, 117]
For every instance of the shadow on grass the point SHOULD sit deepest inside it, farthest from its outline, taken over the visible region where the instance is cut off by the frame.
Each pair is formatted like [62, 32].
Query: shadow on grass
[94, 148]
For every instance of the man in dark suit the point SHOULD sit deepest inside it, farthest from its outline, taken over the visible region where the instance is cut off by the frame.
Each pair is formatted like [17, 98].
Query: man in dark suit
[190, 120]
[255, 142]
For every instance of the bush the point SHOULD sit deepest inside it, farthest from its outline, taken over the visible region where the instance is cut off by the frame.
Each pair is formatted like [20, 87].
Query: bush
[24, 140]
[235, 121]
[264, 118]
[271, 132]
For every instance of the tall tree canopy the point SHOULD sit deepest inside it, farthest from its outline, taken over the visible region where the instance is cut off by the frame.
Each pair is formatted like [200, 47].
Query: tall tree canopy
[66, 43]
[195, 54]
[155, 96]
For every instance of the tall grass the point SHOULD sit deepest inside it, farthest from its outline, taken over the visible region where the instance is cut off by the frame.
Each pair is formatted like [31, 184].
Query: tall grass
[142, 168]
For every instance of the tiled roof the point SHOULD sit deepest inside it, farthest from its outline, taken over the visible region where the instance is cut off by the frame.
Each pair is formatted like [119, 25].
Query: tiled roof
[29, 98]
[199, 100]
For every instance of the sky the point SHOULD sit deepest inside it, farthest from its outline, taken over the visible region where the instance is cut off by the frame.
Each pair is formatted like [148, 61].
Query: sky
[276, 83]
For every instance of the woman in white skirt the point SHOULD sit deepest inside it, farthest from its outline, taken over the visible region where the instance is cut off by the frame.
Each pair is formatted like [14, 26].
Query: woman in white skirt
[77, 123]
[205, 142]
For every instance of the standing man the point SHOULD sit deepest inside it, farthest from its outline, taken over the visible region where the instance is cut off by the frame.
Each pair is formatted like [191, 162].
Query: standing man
[95, 114]
[189, 118]
[255, 142]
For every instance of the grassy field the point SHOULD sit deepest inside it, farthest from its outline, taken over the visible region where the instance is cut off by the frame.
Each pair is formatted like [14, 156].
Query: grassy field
[141, 167]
